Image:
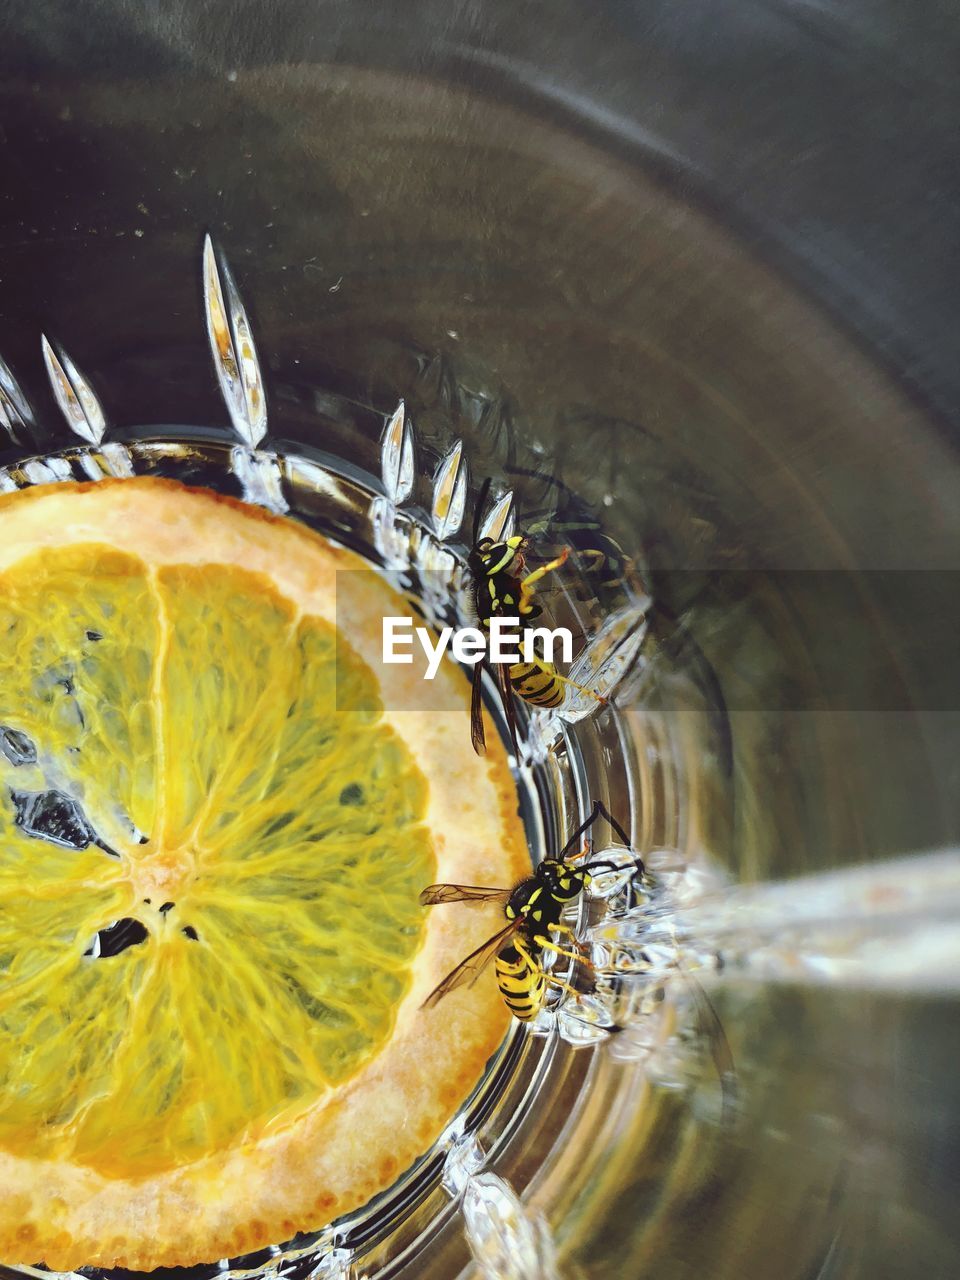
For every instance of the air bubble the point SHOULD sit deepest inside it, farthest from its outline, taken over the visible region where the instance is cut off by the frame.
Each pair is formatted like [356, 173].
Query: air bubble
[53, 816]
[17, 747]
[116, 938]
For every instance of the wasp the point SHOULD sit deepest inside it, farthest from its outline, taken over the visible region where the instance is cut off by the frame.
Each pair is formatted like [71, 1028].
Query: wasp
[534, 912]
[534, 909]
[503, 589]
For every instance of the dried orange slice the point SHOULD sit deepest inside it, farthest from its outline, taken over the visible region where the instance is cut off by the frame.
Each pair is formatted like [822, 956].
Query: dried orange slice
[214, 824]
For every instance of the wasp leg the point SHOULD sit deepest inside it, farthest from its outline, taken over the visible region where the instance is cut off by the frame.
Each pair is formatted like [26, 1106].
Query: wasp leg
[581, 853]
[561, 986]
[527, 589]
[548, 669]
[582, 688]
[578, 956]
[565, 928]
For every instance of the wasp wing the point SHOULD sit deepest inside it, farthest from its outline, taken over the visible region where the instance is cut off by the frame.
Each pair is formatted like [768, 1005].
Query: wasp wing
[434, 894]
[476, 711]
[469, 970]
[502, 673]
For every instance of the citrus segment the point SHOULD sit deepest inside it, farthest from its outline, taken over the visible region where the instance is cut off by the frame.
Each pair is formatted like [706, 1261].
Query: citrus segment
[225, 640]
[49, 995]
[80, 634]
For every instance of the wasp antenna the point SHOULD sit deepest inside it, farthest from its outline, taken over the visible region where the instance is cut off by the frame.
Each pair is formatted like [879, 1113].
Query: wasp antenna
[601, 810]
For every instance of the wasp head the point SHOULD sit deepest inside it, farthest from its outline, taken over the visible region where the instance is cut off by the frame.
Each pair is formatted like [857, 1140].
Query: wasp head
[560, 879]
[490, 558]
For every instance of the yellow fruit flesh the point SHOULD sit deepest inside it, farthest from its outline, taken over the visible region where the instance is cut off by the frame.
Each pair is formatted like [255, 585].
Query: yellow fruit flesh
[195, 707]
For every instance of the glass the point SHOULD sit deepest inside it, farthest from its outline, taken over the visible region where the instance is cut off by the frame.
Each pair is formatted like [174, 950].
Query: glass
[661, 744]
[786, 705]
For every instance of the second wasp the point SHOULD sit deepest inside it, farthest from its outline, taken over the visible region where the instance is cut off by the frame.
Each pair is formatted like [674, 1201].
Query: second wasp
[502, 588]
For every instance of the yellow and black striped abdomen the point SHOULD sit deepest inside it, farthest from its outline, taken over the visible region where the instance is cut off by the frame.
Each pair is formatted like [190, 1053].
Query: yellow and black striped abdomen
[521, 980]
[537, 683]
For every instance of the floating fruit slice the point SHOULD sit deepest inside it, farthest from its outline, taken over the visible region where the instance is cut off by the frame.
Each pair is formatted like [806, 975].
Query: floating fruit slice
[214, 825]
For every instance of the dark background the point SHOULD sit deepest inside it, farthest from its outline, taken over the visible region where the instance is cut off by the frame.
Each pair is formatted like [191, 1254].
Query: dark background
[824, 131]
